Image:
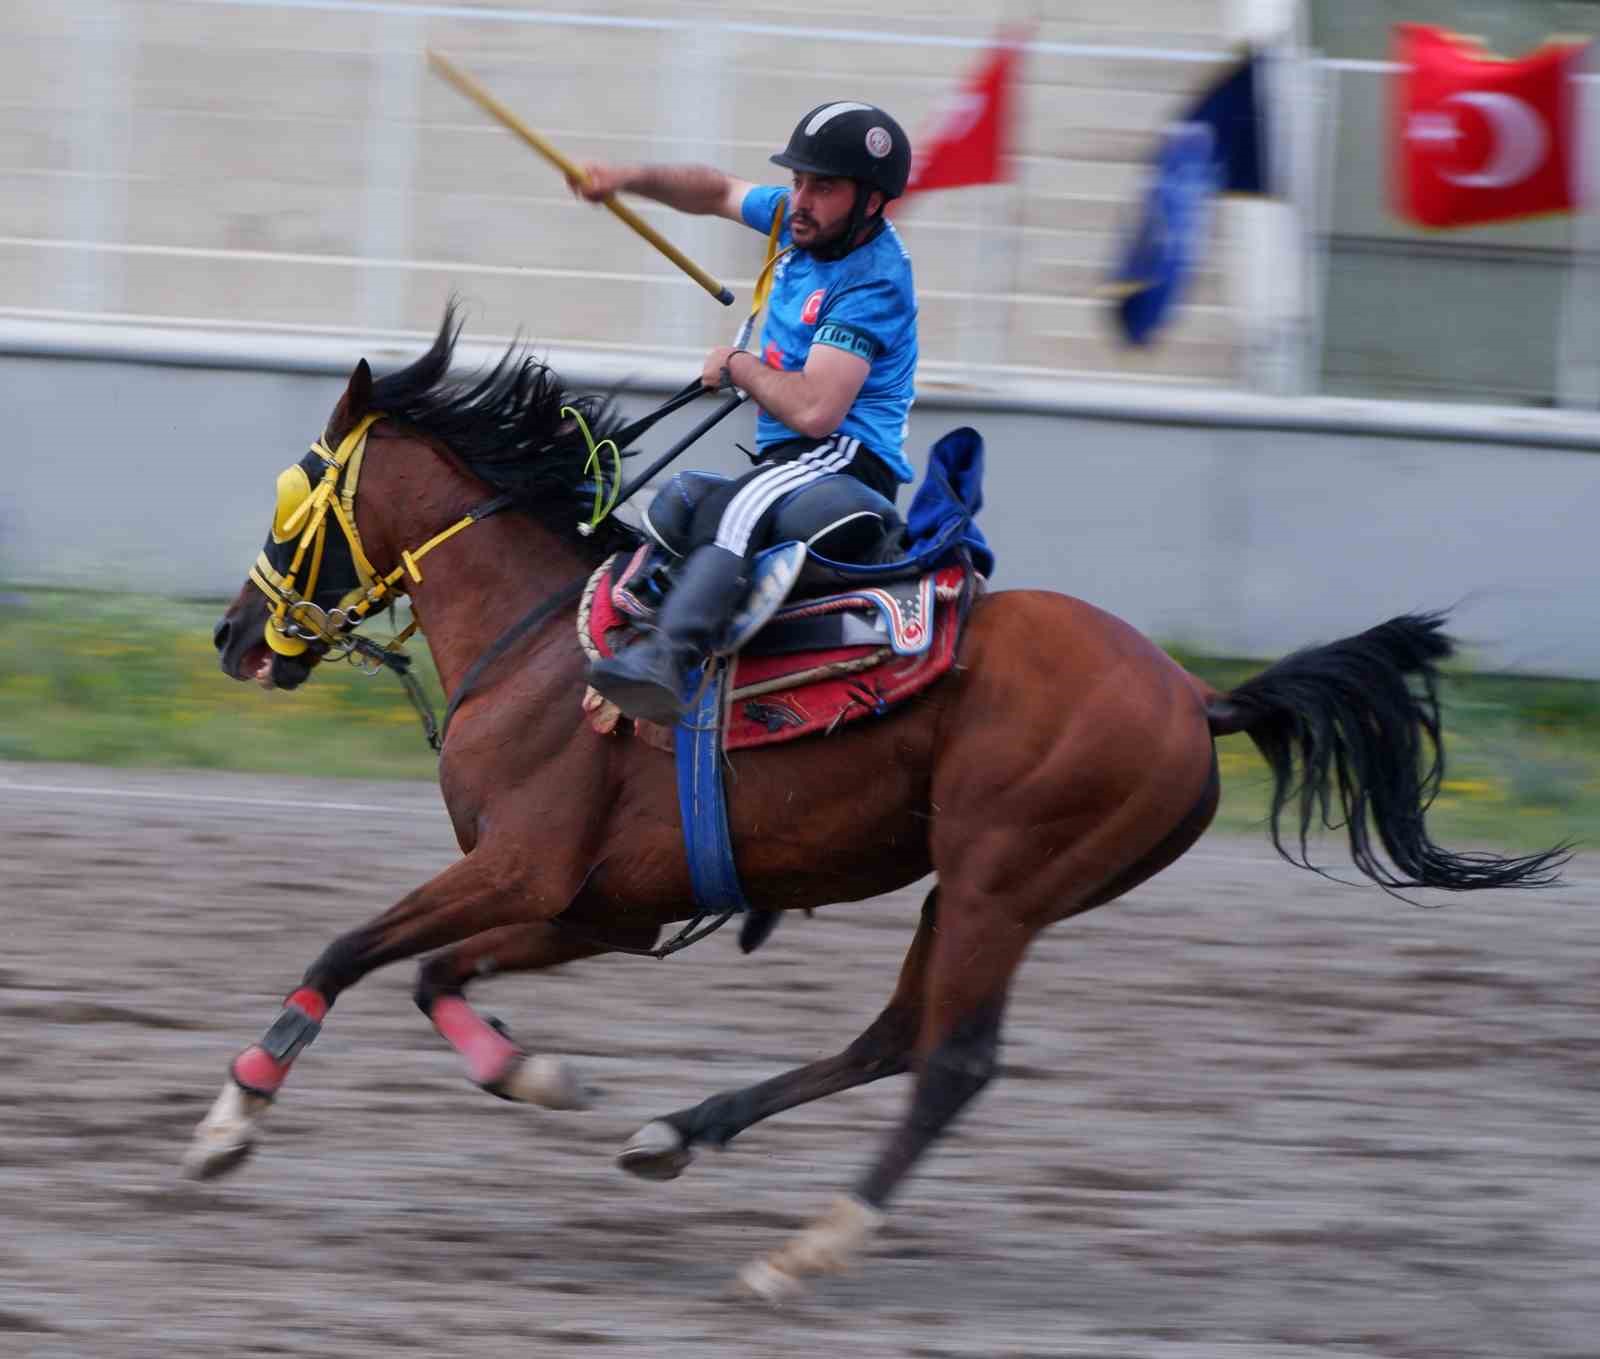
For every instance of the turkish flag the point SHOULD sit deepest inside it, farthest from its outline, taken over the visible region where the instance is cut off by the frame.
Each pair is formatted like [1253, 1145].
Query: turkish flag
[972, 130]
[1478, 139]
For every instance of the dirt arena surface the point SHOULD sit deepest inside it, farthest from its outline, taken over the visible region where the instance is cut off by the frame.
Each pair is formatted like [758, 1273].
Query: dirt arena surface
[1244, 1112]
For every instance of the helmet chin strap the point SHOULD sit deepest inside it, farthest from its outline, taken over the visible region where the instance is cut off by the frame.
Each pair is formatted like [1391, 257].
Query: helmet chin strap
[845, 242]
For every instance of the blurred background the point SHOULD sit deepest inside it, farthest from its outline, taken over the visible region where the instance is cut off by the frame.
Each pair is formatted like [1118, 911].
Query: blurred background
[212, 208]
[1248, 1112]
[284, 167]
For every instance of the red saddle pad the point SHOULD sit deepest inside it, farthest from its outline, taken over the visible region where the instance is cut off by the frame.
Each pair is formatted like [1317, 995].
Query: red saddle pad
[782, 698]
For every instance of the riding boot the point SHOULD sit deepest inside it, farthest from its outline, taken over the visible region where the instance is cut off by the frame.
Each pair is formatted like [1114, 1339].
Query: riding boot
[650, 680]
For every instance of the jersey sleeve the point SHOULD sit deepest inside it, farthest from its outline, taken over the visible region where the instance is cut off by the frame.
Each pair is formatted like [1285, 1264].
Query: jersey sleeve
[760, 202]
[863, 318]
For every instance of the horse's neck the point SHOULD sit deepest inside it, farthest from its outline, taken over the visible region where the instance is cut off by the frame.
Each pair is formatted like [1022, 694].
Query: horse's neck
[501, 572]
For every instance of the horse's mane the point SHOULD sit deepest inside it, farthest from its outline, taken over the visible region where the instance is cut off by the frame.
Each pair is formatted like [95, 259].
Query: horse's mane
[506, 427]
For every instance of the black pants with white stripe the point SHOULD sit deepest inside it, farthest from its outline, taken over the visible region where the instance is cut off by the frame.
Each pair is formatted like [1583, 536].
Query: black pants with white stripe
[739, 516]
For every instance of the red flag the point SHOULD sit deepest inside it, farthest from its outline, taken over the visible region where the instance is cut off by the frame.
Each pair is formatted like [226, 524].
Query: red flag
[1478, 139]
[971, 131]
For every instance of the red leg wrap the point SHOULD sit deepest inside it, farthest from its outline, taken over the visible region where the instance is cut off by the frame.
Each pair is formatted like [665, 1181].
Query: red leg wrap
[489, 1054]
[257, 1072]
[309, 1003]
[262, 1068]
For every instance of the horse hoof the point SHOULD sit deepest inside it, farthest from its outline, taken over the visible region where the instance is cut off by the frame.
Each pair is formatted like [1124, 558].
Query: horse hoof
[656, 1152]
[212, 1162]
[546, 1081]
[226, 1136]
[762, 1279]
[827, 1246]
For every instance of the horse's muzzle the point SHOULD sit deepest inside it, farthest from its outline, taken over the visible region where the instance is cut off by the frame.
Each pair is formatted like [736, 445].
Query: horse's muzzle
[242, 651]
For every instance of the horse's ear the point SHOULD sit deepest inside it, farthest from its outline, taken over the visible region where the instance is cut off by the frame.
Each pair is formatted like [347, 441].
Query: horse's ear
[356, 402]
[358, 395]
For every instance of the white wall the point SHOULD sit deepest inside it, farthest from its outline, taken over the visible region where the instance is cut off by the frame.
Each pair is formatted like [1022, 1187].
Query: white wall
[1250, 528]
[288, 164]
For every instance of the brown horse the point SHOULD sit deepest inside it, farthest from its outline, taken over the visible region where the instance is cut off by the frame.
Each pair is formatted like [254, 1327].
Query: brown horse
[1063, 762]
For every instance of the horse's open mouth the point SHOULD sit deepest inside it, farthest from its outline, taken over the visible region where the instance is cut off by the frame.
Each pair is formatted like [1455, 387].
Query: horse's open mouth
[256, 664]
[270, 670]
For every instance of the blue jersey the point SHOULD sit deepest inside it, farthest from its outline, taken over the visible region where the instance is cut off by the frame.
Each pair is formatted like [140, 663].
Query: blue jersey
[864, 304]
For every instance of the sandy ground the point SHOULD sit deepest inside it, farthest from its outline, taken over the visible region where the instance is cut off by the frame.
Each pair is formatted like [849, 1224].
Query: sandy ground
[1244, 1112]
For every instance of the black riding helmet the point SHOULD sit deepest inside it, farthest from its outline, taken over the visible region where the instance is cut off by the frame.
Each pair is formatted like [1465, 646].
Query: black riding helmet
[847, 140]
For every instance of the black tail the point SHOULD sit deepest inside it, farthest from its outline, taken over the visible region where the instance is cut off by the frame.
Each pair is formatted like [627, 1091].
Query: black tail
[1364, 734]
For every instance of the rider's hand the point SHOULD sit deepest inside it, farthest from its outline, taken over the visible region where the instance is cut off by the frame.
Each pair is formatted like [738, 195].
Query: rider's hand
[600, 181]
[711, 374]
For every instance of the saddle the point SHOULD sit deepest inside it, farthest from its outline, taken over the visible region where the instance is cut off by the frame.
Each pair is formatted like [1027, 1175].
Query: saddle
[818, 644]
[793, 667]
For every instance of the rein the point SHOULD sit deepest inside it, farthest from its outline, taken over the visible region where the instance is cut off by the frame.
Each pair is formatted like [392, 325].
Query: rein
[568, 594]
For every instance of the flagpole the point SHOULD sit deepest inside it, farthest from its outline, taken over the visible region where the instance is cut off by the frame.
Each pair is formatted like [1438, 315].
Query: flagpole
[1330, 88]
[1578, 354]
[1266, 244]
[1280, 246]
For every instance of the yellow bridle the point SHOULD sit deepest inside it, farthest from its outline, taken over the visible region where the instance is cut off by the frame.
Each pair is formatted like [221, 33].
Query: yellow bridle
[295, 621]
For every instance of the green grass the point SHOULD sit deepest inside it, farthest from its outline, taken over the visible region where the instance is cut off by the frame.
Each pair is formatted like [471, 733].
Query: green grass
[130, 680]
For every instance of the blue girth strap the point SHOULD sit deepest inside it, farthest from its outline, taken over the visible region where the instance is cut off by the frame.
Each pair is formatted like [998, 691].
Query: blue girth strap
[703, 801]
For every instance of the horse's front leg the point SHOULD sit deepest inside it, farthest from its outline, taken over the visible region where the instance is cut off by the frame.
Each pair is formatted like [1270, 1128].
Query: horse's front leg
[493, 1061]
[469, 897]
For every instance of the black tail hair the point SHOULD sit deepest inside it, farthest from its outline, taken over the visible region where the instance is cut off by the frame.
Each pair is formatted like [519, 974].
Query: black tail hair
[1364, 734]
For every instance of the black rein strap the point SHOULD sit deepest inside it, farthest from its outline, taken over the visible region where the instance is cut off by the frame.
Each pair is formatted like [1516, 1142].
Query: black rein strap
[568, 594]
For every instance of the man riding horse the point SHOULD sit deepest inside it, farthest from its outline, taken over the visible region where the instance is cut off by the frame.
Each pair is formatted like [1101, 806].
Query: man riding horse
[834, 379]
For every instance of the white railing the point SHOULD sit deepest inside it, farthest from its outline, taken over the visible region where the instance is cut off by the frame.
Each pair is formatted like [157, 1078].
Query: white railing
[991, 320]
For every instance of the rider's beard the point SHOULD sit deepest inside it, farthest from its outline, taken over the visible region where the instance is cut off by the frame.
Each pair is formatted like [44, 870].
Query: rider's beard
[818, 237]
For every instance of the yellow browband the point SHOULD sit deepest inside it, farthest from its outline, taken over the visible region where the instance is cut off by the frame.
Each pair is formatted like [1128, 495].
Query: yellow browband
[295, 620]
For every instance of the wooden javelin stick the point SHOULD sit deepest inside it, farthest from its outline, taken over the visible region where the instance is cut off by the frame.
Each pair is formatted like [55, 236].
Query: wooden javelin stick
[492, 106]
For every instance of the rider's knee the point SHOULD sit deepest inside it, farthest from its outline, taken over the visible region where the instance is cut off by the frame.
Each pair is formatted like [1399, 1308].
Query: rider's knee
[839, 518]
[669, 517]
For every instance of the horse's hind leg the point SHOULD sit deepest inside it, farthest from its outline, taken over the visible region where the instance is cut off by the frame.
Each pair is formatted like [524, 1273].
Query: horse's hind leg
[493, 1060]
[660, 1150]
[973, 958]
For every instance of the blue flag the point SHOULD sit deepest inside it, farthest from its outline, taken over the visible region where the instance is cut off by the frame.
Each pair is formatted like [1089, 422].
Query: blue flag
[1235, 111]
[1218, 147]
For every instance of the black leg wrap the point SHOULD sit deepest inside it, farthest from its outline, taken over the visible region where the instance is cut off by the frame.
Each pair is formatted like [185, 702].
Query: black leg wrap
[718, 1120]
[431, 985]
[343, 963]
[883, 1050]
[952, 1077]
[289, 1032]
